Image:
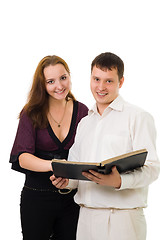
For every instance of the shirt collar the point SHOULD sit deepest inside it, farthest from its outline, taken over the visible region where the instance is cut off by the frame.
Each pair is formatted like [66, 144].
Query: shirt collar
[116, 105]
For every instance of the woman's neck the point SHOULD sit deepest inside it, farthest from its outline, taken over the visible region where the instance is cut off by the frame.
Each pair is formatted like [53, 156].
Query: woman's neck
[57, 104]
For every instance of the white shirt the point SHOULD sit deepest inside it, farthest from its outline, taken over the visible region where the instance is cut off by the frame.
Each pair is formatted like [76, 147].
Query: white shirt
[121, 128]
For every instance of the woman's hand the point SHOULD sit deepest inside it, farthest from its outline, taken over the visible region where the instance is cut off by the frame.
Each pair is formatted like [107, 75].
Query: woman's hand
[59, 182]
[113, 179]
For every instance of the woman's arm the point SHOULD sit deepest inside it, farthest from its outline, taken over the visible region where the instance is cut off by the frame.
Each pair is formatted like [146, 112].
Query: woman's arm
[59, 182]
[32, 163]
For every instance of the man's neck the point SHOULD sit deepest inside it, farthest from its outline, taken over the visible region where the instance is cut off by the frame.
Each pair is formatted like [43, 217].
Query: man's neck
[101, 109]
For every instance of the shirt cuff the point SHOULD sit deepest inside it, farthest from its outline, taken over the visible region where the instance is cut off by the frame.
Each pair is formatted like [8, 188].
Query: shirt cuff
[126, 181]
[72, 184]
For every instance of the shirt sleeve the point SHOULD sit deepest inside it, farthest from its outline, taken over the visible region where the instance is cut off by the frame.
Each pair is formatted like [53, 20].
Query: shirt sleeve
[24, 142]
[74, 154]
[143, 135]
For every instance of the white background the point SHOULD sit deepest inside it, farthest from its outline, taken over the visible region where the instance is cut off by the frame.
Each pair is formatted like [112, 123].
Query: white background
[76, 31]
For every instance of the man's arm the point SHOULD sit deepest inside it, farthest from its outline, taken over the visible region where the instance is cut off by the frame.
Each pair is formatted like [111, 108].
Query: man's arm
[143, 135]
[112, 180]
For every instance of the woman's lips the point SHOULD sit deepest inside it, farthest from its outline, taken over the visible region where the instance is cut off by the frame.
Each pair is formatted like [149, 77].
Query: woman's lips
[60, 92]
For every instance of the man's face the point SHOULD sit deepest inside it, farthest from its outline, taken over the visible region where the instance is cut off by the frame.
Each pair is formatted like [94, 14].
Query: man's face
[105, 85]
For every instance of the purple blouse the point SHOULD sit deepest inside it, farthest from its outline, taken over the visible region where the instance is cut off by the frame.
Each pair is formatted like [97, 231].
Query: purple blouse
[43, 143]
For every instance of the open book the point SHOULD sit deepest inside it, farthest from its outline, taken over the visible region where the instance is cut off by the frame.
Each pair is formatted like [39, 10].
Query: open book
[124, 163]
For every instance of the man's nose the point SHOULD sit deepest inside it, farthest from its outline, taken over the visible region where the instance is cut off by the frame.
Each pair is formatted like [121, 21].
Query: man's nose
[102, 86]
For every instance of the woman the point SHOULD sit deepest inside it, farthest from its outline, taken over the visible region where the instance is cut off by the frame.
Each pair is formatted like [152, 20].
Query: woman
[46, 130]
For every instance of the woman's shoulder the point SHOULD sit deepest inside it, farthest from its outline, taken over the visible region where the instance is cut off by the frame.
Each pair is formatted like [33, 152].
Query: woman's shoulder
[82, 110]
[25, 120]
[82, 106]
[23, 116]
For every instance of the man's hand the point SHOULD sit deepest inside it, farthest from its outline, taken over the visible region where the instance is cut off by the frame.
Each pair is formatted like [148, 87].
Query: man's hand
[59, 182]
[113, 179]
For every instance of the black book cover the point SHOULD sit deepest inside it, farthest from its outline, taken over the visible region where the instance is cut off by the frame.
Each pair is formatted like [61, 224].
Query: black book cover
[124, 163]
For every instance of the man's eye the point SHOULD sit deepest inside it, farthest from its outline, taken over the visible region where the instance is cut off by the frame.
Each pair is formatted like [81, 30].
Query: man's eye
[97, 79]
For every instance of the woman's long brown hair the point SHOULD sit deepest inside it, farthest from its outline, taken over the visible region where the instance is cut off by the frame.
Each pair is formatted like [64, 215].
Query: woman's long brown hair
[37, 104]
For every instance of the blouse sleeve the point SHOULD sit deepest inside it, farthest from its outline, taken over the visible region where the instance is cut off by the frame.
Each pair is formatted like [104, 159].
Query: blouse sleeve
[24, 142]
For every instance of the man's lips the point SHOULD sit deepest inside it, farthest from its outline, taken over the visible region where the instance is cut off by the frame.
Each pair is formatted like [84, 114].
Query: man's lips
[102, 94]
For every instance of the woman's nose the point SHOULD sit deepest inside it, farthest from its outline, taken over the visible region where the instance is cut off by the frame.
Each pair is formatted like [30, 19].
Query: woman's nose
[58, 84]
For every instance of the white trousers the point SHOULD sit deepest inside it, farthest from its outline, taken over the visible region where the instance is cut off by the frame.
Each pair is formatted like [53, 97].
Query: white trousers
[111, 224]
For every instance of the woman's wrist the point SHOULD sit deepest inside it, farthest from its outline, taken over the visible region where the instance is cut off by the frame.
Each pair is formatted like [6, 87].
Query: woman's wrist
[50, 165]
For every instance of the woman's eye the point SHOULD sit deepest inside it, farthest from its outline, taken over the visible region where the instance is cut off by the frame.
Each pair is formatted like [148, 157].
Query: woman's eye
[63, 77]
[50, 81]
[96, 79]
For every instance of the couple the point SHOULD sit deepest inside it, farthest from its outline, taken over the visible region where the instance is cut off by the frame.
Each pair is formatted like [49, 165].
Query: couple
[111, 206]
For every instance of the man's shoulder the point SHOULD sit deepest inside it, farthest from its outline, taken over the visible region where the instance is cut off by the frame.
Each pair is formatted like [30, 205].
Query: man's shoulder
[133, 107]
[135, 110]
[82, 125]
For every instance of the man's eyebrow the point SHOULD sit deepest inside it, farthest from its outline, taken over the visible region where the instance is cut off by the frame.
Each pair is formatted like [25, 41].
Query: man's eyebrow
[95, 76]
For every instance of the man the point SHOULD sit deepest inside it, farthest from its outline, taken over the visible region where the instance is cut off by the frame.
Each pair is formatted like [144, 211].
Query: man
[112, 205]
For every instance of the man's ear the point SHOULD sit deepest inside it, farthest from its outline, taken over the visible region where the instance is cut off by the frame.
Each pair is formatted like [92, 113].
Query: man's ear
[121, 81]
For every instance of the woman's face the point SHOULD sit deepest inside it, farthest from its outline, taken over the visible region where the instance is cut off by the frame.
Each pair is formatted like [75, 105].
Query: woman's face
[57, 81]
